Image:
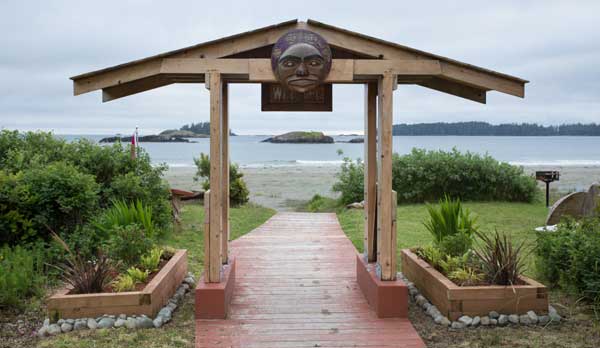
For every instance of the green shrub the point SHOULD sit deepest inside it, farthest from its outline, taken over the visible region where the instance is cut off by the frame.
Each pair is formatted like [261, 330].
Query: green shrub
[350, 182]
[426, 176]
[127, 244]
[570, 257]
[151, 260]
[501, 260]
[423, 176]
[238, 191]
[122, 214]
[123, 283]
[451, 227]
[21, 275]
[137, 274]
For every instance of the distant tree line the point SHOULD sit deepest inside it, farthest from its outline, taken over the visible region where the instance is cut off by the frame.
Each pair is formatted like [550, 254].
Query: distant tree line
[199, 128]
[506, 129]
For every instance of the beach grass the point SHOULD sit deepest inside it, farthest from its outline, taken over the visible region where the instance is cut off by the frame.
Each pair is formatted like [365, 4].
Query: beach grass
[517, 220]
[180, 331]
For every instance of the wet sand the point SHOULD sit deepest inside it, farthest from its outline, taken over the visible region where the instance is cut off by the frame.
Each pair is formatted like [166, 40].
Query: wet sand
[281, 188]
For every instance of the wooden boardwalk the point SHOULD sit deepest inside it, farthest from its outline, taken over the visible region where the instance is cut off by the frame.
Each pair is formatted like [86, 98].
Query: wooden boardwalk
[296, 287]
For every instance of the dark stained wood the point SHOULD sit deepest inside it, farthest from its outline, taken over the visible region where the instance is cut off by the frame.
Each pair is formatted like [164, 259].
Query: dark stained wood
[296, 287]
[275, 97]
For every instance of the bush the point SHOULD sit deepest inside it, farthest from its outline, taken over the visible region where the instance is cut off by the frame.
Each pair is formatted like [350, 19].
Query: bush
[451, 226]
[21, 275]
[127, 244]
[350, 182]
[46, 181]
[570, 257]
[501, 260]
[423, 176]
[238, 191]
[426, 176]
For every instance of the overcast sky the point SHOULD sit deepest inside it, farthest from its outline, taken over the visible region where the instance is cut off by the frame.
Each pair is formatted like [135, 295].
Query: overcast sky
[555, 45]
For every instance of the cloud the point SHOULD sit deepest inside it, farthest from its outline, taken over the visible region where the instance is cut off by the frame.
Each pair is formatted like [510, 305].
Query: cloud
[555, 44]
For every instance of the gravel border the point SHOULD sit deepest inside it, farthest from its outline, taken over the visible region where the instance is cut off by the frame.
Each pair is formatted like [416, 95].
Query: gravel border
[121, 321]
[492, 319]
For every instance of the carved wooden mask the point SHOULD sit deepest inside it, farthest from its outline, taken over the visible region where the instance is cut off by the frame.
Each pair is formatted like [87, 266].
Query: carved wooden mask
[301, 60]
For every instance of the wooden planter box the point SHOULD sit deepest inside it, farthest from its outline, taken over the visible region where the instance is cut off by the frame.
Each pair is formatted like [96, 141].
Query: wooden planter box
[147, 301]
[454, 301]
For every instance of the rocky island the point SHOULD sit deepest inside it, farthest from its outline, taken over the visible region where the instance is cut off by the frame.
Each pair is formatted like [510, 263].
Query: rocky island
[300, 138]
[147, 139]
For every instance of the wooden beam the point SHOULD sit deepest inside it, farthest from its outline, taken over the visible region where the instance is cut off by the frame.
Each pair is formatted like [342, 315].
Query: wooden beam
[215, 176]
[482, 80]
[385, 259]
[370, 172]
[413, 67]
[134, 87]
[225, 174]
[116, 77]
[341, 71]
[457, 89]
[177, 66]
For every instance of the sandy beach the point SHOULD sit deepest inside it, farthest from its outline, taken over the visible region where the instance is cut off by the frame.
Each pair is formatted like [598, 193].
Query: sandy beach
[281, 187]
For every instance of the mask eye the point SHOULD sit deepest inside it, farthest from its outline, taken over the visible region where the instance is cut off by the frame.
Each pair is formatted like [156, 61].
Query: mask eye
[315, 63]
[289, 63]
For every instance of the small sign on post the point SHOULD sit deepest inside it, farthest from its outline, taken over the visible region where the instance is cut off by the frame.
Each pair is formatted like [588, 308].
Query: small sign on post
[276, 97]
[547, 176]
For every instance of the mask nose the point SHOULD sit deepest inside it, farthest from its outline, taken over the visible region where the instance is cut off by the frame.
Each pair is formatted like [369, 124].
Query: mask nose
[302, 71]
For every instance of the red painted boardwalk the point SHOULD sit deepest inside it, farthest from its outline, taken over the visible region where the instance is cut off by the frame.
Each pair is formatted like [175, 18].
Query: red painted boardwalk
[296, 287]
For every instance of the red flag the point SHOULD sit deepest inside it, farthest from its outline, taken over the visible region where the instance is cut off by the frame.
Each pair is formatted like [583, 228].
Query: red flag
[133, 145]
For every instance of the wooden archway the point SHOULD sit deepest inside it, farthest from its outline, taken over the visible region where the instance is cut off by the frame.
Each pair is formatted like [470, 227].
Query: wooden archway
[357, 59]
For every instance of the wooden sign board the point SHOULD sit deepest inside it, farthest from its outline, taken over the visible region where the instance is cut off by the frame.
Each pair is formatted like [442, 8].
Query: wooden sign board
[276, 97]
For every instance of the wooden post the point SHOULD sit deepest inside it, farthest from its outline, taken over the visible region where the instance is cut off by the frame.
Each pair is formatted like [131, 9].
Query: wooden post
[386, 259]
[225, 175]
[214, 266]
[206, 234]
[370, 181]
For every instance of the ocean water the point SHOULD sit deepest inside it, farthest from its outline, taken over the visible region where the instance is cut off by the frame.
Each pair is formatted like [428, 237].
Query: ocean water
[248, 151]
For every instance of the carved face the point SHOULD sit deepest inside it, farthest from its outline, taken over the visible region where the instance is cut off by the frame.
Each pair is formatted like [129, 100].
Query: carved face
[301, 60]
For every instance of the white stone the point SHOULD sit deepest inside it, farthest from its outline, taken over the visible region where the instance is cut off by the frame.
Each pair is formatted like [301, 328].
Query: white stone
[92, 324]
[465, 319]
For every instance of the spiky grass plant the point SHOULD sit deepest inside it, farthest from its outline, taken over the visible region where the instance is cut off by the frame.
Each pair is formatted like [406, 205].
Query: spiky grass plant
[501, 260]
[84, 276]
[451, 226]
[122, 214]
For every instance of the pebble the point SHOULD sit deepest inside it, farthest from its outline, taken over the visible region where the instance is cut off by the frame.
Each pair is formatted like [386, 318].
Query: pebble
[165, 313]
[122, 316]
[465, 319]
[80, 325]
[543, 319]
[46, 321]
[524, 319]
[120, 322]
[92, 324]
[553, 314]
[420, 300]
[131, 323]
[494, 315]
[456, 325]
[158, 322]
[426, 306]
[70, 321]
[445, 321]
[106, 323]
[60, 321]
[485, 321]
[493, 322]
[513, 319]
[53, 329]
[66, 327]
[532, 317]
[502, 319]
[144, 323]
[43, 331]
[476, 321]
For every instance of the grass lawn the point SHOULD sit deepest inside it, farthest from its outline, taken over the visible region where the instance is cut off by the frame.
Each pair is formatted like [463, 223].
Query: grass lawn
[180, 331]
[515, 219]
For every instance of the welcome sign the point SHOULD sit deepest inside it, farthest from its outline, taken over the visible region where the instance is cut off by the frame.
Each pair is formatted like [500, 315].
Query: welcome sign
[276, 97]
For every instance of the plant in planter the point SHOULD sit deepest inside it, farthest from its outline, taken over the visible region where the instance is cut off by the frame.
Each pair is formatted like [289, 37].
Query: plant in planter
[460, 279]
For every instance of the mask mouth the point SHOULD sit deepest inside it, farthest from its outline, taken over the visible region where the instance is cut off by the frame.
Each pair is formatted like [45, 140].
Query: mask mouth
[302, 81]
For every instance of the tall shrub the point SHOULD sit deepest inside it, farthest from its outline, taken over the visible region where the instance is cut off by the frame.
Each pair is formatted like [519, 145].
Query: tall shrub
[350, 182]
[238, 191]
[21, 275]
[451, 226]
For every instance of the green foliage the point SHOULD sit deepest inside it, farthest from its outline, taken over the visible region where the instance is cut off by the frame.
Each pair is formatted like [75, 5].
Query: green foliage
[570, 257]
[21, 275]
[319, 203]
[137, 274]
[85, 276]
[501, 260]
[466, 276]
[128, 243]
[45, 181]
[122, 214]
[123, 283]
[423, 176]
[350, 182]
[451, 226]
[238, 191]
[150, 261]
